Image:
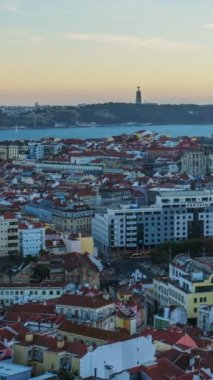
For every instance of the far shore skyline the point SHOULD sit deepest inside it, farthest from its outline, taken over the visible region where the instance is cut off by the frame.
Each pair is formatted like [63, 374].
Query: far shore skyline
[82, 104]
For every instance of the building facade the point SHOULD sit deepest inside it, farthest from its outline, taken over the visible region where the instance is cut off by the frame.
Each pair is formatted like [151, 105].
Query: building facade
[189, 286]
[8, 235]
[197, 162]
[176, 215]
[22, 293]
[31, 239]
[91, 311]
[76, 218]
[205, 317]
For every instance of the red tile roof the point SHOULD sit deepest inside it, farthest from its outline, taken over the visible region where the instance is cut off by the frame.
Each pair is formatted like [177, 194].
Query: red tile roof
[78, 349]
[94, 333]
[163, 370]
[83, 301]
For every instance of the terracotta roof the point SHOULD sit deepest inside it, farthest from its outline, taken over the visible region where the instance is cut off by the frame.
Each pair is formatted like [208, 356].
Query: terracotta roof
[163, 370]
[171, 336]
[92, 332]
[78, 349]
[83, 301]
[32, 308]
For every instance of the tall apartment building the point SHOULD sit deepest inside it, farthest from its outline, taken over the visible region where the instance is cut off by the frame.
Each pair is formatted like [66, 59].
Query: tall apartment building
[190, 285]
[8, 234]
[3, 152]
[31, 238]
[38, 151]
[176, 215]
[18, 151]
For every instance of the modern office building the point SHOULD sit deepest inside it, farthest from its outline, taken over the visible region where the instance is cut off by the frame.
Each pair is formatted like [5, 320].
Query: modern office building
[176, 215]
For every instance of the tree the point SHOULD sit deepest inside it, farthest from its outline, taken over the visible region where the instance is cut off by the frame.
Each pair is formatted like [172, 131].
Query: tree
[29, 259]
[41, 272]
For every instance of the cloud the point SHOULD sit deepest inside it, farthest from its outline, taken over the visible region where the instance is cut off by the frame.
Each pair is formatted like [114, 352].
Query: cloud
[155, 43]
[208, 26]
[10, 7]
[22, 39]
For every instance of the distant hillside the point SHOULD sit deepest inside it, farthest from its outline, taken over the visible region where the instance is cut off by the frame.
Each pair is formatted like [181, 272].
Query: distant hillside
[109, 113]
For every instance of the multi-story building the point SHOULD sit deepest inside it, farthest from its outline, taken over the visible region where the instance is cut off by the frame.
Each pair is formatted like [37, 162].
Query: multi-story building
[197, 162]
[47, 353]
[75, 218]
[21, 293]
[205, 317]
[8, 234]
[36, 151]
[176, 215]
[112, 359]
[31, 238]
[92, 311]
[91, 336]
[3, 152]
[18, 151]
[190, 285]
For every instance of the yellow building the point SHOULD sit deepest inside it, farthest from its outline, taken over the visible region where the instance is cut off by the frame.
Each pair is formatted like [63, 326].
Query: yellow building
[190, 284]
[47, 354]
[89, 335]
[127, 322]
[79, 243]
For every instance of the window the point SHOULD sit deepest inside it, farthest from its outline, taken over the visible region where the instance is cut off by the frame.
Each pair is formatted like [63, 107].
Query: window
[195, 300]
[195, 310]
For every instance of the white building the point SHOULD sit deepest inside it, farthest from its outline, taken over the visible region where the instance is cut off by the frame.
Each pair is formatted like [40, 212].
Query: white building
[176, 215]
[190, 285]
[194, 162]
[205, 317]
[108, 360]
[93, 311]
[31, 238]
[22, 293]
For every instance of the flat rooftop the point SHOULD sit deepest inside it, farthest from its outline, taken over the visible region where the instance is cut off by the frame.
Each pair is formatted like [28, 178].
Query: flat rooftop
[7, 367]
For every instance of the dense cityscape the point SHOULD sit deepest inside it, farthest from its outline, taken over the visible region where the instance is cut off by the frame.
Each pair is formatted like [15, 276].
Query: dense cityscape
[106, 249]
[106, 190]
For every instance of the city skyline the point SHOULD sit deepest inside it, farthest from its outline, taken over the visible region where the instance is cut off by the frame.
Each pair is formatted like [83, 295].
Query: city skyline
[91, 51]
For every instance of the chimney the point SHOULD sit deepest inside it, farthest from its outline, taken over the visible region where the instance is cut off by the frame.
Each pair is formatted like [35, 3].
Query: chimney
[60, 342]
[29, 337]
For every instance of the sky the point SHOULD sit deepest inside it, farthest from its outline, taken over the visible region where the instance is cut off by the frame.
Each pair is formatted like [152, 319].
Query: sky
[95, 51]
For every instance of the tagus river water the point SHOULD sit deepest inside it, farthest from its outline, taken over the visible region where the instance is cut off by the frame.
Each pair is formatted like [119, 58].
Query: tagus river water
[104, 131]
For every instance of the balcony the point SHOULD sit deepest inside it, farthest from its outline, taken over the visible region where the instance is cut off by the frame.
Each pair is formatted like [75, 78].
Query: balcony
[177, 285]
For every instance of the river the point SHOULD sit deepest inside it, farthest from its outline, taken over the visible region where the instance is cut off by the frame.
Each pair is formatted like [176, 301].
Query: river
[105, 131]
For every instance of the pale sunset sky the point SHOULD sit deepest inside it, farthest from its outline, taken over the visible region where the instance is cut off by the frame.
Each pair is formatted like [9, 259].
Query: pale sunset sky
[90, 51]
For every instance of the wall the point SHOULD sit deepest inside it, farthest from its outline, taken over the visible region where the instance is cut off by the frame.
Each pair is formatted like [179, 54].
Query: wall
[117, 356]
